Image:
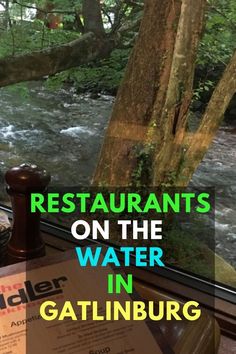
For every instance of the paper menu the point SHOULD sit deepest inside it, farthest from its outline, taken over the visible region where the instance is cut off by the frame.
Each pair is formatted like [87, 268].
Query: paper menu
[23, 330]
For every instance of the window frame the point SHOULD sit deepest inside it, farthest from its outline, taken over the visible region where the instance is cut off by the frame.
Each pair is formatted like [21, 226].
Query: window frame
[218, 298]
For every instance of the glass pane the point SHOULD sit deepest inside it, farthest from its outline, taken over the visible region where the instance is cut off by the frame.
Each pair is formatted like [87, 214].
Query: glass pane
[59, 122]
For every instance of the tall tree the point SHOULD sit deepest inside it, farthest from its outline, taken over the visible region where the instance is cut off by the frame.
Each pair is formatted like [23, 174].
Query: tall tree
[147, 141]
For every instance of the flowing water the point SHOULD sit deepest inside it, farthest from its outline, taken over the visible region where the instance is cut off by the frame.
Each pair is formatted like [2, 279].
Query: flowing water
[63, 132]
[60, 131]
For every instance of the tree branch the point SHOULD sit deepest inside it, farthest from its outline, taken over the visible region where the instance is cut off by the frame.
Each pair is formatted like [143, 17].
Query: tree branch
[38, 64]
[219, 101]
[210, 123]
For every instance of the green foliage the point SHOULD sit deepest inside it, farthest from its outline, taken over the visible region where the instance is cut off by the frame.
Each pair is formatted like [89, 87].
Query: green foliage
[218, 42]
[142, 173]
[30, 36]
[203, 87]
[184, 250]
[20, 89]
[216, 46]
[215, 49]
[26, 32]
[103, 76]
[56, 82]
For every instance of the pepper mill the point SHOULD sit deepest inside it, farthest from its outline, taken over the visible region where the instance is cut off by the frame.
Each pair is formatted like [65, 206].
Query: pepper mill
[25, 242]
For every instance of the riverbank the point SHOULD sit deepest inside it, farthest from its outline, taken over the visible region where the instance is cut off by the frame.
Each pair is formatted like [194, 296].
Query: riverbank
[63, 131]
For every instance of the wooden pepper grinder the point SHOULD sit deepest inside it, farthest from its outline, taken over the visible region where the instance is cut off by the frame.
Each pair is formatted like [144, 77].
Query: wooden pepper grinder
[25, 242]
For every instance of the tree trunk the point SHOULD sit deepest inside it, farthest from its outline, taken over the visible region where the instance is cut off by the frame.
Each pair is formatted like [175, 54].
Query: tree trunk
[147, 73]
[150, 111]
[92, 17]
[37, 64]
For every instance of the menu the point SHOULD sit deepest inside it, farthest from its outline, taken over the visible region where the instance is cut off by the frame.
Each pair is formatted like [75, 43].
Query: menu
[24, 330]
